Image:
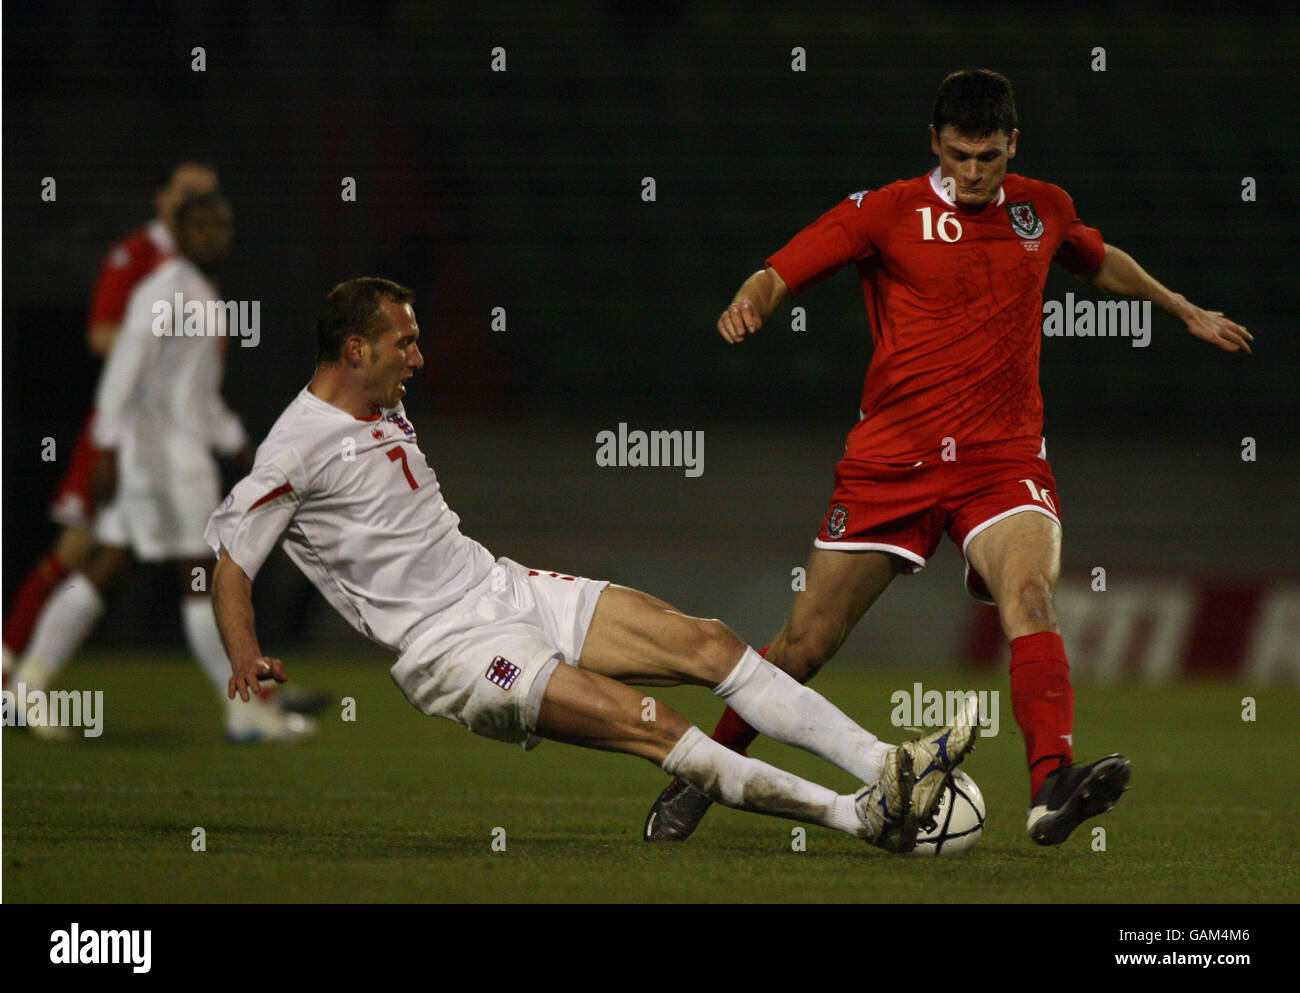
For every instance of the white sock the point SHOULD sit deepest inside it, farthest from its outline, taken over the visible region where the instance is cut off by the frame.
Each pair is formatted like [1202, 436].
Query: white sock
[67, 619]
[748, 784]
[774, 704]
[204, 639]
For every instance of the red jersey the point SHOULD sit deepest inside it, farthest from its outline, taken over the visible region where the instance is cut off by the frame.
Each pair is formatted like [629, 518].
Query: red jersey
[955, 297]
[126, 263]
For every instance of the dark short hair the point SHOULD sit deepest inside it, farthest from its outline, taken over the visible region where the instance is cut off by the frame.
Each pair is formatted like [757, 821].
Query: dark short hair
[976, 103]
[351, 308]
[166, 176]
[212, 200]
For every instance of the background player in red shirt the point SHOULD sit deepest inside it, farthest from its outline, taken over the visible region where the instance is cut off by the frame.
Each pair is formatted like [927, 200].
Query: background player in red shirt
[127, 263]
[952, 266]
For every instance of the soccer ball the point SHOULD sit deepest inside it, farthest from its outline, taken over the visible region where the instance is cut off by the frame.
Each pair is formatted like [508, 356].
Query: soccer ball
[958, 819]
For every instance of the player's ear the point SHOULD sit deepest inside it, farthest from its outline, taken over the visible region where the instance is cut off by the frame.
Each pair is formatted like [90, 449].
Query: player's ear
[1011, 145]
[934, 140]
[354, 350]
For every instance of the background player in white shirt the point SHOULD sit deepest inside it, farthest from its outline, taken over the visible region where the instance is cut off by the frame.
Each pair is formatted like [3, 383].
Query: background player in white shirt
[159, 417]
[127, 263]
[513, 653]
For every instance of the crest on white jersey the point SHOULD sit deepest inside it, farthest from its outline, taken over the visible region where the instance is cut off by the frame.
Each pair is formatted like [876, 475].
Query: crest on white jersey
[402, 423]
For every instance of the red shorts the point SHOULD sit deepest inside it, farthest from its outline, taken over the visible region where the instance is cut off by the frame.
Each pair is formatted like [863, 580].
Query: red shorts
[904, 509]
[73, 506]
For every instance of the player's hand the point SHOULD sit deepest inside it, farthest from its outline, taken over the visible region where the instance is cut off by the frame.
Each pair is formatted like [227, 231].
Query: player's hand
[249, 675]
[103, 477]
[1212, 326]
[739, 320]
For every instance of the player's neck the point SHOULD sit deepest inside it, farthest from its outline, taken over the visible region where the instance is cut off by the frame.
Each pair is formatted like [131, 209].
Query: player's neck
[332, 384]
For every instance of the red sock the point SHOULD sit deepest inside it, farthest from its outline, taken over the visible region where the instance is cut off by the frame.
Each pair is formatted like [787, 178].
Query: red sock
[734, 732]
[31, 597]
[1043, 703]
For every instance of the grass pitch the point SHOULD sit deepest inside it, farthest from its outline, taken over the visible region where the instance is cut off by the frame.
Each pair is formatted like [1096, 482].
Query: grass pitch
[395, 806]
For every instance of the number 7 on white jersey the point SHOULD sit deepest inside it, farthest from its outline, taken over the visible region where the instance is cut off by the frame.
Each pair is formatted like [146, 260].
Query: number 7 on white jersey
[398, 453]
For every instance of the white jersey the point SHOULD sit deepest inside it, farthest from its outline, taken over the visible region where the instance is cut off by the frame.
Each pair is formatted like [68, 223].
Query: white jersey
[159, 398]
[360, 512]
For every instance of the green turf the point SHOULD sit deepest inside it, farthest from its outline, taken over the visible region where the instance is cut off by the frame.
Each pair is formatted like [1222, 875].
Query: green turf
[399, 807]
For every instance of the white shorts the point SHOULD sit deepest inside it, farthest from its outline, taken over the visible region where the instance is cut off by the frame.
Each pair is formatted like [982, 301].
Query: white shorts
[162, 525]
[488, 667]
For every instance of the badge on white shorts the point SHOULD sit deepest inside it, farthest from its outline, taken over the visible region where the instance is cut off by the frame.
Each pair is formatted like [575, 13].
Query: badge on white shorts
[503, 672]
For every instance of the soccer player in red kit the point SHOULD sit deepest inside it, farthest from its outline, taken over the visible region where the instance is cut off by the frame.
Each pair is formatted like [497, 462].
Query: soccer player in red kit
[73, 508]
[952, 266]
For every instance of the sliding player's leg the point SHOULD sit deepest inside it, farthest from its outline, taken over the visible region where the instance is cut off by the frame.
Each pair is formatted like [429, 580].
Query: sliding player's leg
[636, 638]
[582, 707]
[1019, 560]
[839, 588]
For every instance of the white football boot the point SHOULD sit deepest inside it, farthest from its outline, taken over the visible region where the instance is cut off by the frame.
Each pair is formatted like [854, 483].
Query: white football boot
[933, 758]
[34, 676]
[261, 720]
[38, 724]
[885, 806]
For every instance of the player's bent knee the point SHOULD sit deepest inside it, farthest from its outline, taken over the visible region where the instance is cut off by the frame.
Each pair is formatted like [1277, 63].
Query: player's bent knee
[706, 650]
[803, 657]
[802, 668]
[718, 649]
[1032, 604]
[1036, 594]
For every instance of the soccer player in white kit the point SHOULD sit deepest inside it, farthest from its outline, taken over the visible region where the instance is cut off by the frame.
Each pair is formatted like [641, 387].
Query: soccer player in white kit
[159, 418]
[73, 508]
[517, 654]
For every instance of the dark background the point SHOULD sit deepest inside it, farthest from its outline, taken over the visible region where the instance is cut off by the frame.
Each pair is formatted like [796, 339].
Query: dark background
[522, 190]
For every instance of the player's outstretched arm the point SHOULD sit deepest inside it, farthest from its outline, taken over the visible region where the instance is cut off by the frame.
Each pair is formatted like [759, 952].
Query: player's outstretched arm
[754, 302]
[1119, 273]
[232, 602]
